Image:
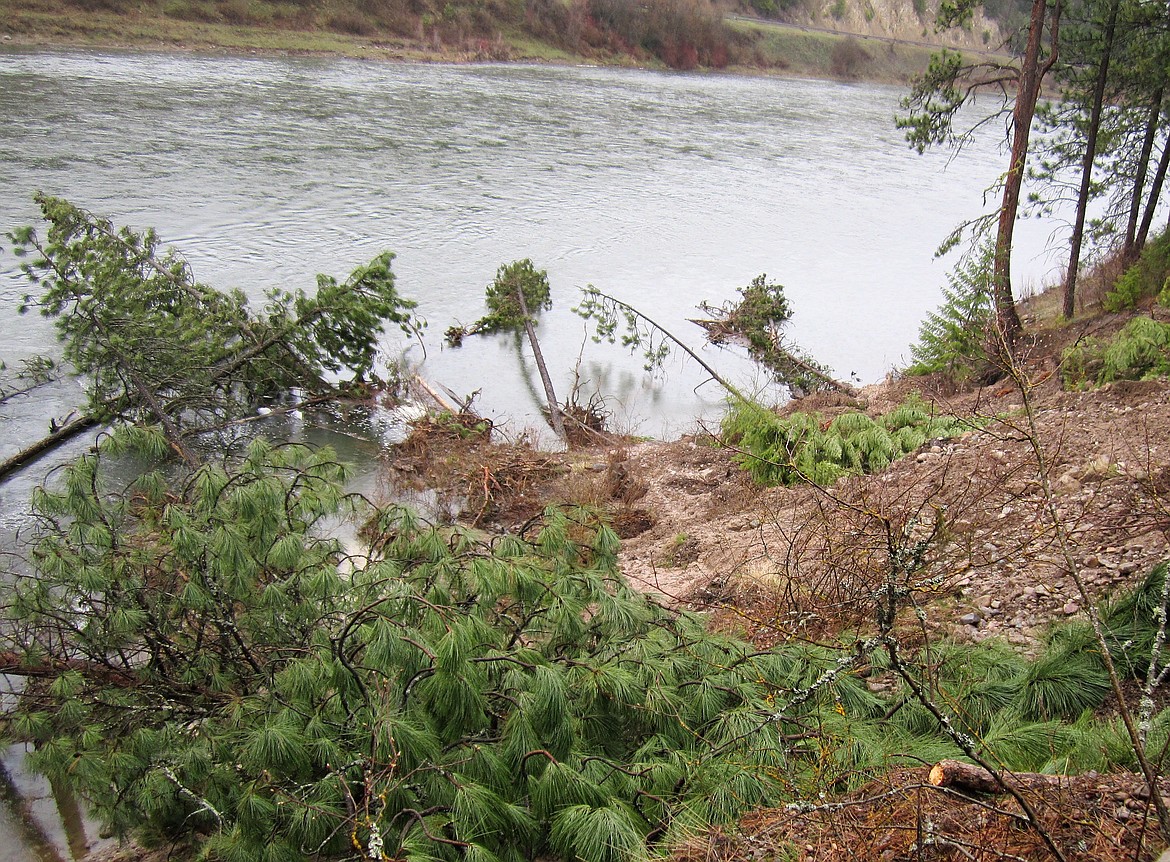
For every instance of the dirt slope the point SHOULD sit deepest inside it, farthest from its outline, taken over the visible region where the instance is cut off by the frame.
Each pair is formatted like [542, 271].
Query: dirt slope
[812, 555]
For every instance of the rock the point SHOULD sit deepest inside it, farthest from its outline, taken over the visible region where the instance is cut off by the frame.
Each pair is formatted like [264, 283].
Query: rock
[984, 601]
[971, 619]
[1092, 561]
[1129, 568]
[1070, 608]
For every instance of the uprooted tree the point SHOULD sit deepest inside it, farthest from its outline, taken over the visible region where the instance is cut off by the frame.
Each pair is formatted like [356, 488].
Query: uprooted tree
[156, 346]
[202, 664]
[755, 322]
[518, 294]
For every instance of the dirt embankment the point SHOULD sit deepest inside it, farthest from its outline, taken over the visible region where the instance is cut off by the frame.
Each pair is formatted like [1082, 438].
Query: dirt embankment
[1013, 508]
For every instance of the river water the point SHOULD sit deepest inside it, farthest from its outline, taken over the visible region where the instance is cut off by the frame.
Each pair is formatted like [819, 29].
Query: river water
[662, 189]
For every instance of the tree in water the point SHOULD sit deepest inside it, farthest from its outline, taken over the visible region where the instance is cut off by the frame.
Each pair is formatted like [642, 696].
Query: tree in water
[755, 321]
[157, 347]
[518, 294]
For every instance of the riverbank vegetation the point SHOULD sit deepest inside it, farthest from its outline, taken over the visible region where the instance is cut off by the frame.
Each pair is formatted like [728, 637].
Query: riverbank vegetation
[677, 34]
[209, 669]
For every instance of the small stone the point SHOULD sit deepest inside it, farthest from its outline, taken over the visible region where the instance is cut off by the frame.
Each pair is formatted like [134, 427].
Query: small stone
[1129, 568]
[1070, 608]
[1092, 561]
[971, 619]
[984, 601]
[1043, 590]
[1029, 592]
[996, 604]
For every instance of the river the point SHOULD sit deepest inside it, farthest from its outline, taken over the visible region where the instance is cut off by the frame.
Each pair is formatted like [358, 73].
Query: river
[662, 189]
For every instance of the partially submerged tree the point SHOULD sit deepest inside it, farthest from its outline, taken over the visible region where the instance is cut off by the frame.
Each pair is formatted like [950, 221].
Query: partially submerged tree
[519, 293]
[755, 322]
[156, 346]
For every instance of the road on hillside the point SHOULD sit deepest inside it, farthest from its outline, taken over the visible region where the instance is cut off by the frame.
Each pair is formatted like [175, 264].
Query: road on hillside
[891, 40]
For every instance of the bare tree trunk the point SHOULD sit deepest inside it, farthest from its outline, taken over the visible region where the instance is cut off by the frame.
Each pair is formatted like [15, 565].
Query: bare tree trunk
[1152, 200]
[1027, 94]
[975, 779]
[554, 409]
[1130, 247]
[46, 444]
[1078, 234]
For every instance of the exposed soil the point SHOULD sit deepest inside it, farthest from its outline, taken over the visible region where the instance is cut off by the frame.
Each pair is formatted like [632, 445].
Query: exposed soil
[778, 563]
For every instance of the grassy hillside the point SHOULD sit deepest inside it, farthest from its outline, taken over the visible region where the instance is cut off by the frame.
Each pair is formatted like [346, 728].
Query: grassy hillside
[677, 34]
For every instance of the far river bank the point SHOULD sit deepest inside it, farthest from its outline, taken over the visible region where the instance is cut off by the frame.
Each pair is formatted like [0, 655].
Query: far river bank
[755, 47]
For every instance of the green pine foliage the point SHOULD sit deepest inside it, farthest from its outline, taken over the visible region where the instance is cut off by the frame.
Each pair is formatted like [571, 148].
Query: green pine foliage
[156, 345]
[502, 297]
[1140, 351]
[210, 663]
[806, 447]
[1144, 279]
[203, 663]
[950, 339]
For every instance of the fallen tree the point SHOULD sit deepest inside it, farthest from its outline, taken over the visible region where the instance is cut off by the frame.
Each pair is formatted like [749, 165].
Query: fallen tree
[156, 346]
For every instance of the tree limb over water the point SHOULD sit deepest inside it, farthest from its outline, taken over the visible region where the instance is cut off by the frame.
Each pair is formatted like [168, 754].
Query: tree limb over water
[158, 347]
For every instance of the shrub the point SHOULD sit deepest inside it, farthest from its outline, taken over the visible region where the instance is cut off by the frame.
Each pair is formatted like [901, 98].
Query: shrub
[806, 447]
[950, 340]
[1140, 351]
[352, 22]
[1146, 278]
[848, 59]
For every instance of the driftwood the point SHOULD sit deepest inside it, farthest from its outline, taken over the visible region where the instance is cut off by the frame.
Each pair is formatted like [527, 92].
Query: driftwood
[968, 778]
[438, 399]
[61, 435]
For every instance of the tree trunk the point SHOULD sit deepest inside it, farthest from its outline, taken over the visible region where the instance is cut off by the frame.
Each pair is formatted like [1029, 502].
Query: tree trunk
[1078, 234]
[1032, 73]
[1152, 200]
[969, 778]
[46, 444]
[1130, 247]
[554, 409]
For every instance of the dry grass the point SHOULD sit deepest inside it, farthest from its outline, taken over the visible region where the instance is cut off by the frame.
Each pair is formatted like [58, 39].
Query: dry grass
[1091, 818]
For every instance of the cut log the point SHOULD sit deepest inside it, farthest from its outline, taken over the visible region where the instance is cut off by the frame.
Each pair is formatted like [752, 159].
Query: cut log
[969, 778]
[438, 399]
[964, 776]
